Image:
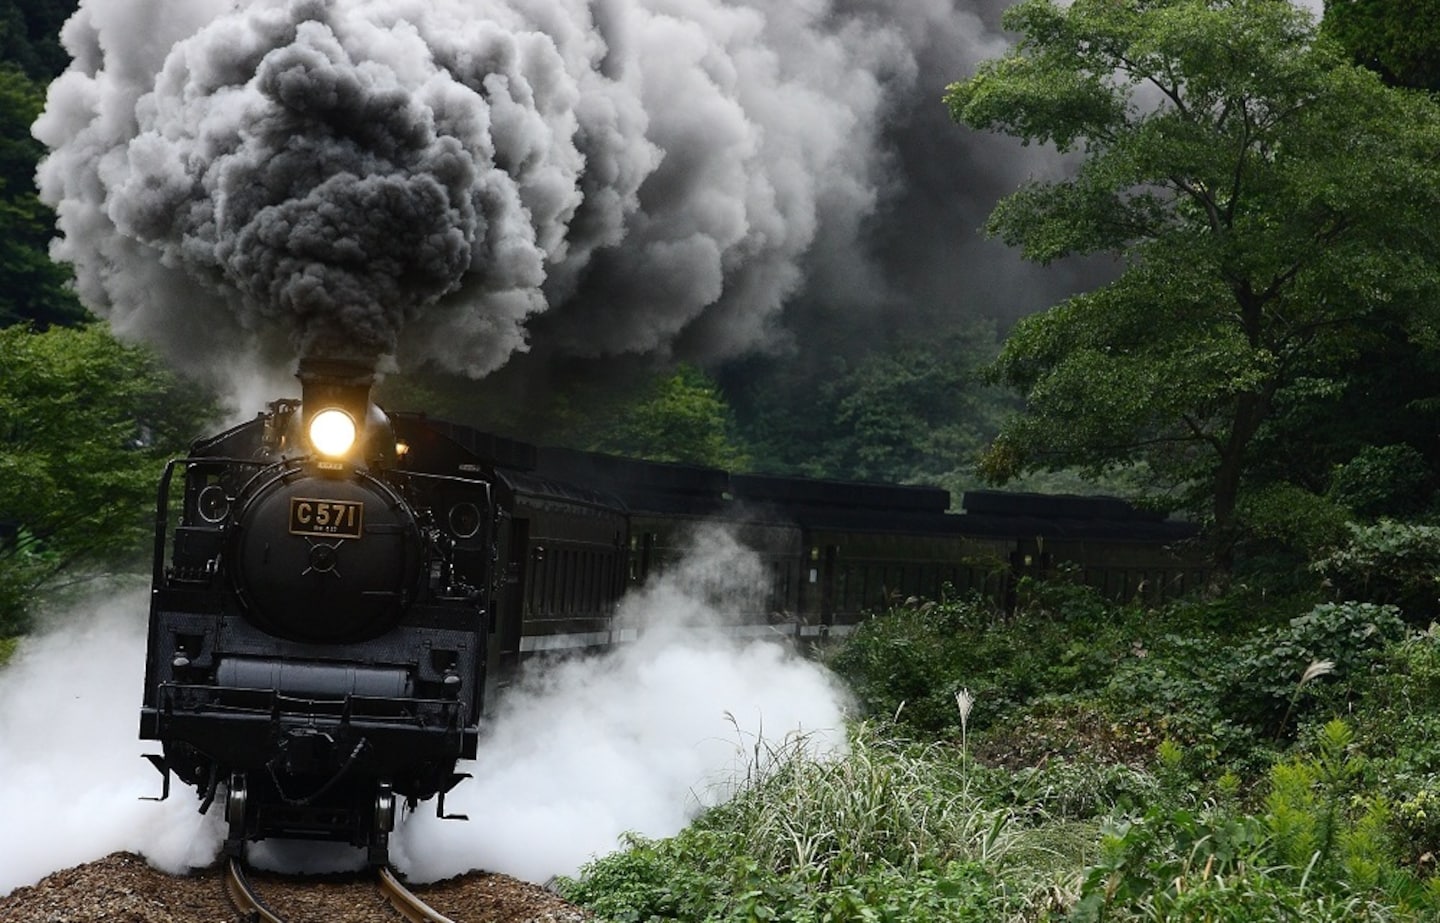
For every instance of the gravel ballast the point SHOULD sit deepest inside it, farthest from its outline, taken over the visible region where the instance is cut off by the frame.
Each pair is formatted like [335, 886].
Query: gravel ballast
[122, 888]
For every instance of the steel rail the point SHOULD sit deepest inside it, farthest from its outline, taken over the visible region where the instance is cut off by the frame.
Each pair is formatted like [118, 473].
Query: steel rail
[244, 898]
[405, 902]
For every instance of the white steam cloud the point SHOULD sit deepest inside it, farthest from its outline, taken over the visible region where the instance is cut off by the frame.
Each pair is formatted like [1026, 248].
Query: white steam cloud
[71, 773]
[419, 178]
[639, 740]
[636, 740]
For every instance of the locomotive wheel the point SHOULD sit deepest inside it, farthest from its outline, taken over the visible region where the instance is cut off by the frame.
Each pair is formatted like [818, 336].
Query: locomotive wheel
[384, 808]
[383, 821]
[236, 802]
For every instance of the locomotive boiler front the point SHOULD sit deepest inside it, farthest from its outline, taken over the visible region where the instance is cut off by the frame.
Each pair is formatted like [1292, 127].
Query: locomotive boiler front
[324, 556]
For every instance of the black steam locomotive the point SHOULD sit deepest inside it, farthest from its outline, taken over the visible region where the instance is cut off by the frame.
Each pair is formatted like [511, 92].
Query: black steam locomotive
[339, 592]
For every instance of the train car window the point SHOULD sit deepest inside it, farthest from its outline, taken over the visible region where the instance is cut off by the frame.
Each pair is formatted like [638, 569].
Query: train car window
[563, 576]
[572, 589]
[556, 601]
[592, 572]
[582, 579]
[577, 583]
[552, 568]
[572, 586]
[583, 592]
[572, 578]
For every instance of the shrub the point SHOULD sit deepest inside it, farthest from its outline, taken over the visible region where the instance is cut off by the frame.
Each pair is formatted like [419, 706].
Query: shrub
[1291, 516]
[1384, 480]
[908, 663]
[1267, 685]
[1390, 563]
[1318, 851]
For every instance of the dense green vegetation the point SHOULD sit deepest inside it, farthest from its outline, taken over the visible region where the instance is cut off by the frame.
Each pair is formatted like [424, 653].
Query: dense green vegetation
[86, 424]
[1395, 38]
[1243, 759]
[32, 288]
[1273, 206]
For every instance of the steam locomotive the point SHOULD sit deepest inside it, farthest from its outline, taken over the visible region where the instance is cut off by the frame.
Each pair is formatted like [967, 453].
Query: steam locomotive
[339, 593]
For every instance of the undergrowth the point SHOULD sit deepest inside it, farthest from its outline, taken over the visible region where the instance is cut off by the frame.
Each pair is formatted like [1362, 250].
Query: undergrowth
[1192, 763]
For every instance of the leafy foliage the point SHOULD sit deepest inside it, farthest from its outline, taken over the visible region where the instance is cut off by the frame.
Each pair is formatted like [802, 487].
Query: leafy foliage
[1382, 480]
[1389, 562]
[31, 286]
[1272, 204]
[1316, 851]
[914, 411]
[30, 35]
[1206, 817]
[908, 663]
[86, 424]
[1395, 38]
[1269, 671]
[678, 417]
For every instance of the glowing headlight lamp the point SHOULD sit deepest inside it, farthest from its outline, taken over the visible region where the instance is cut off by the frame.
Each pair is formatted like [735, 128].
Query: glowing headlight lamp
[332, 432]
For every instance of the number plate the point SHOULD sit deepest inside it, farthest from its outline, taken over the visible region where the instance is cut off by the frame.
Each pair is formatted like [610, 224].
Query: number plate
[309, 516]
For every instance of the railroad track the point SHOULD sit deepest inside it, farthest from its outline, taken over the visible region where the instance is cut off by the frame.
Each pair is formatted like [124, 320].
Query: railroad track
[255, 910]
[409, 906]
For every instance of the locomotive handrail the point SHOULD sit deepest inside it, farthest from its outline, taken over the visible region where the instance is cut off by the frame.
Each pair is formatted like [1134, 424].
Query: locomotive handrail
[430, 476]
[162, 520]
[162, 501]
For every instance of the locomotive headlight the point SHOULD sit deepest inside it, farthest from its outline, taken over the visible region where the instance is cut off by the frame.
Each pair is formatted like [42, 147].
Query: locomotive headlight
[332, 432]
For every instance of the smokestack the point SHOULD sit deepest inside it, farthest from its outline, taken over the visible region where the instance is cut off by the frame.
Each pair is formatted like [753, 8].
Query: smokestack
[342, 384]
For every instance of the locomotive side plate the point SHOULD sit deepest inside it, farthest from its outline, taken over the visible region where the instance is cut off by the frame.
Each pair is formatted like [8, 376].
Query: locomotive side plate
[330, 518]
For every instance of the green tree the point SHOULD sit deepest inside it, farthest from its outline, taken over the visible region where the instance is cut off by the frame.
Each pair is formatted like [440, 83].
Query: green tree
[1274, 207]
[916, 412]
[86, 424]
[30, 35]
[32, 287]
[910, 411]
[680, 417]
[1398, 39]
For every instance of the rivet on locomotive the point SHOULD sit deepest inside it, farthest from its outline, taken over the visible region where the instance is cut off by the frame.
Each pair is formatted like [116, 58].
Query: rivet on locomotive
[319, 622]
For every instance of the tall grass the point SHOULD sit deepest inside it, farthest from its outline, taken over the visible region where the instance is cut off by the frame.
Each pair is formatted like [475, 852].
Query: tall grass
[886, 803]
[887, 830]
